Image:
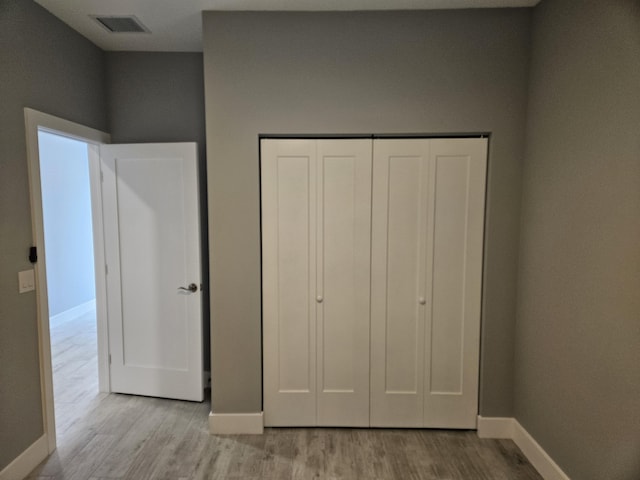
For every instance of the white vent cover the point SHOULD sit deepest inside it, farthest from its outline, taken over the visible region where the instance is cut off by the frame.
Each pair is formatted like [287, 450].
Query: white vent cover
[121, 23]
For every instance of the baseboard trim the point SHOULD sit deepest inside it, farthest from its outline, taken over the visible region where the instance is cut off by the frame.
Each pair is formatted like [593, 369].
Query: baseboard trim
[236, 423]
[495, 427]
[536, 454]
[72, 313]
[26, 461]
[501, 427]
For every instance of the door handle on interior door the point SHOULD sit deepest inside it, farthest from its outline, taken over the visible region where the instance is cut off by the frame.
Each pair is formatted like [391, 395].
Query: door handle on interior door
[191, 288]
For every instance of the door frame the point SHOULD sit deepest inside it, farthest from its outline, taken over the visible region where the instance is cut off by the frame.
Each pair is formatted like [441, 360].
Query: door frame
[34, 122]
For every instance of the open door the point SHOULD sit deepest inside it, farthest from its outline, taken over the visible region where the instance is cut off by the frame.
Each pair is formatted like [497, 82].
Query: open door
[152, 243]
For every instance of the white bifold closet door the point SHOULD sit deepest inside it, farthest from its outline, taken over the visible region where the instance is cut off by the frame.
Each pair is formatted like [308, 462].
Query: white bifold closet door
[427, 230]
[372, 266]
[316, 237]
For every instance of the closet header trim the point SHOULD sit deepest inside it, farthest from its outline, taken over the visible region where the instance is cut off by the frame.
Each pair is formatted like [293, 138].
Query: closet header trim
[373, 135]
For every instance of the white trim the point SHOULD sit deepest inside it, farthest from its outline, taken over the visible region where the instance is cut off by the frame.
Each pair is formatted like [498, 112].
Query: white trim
[26, 461]
[236, 423]
[73, 312]
[536, 454]
[34, 121]
[102, 324]
[495, 427]
[507, 427]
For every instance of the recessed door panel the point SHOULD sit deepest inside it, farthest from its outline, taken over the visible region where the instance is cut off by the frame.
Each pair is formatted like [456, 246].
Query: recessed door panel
[402, 322]
[146, 274]
[449, 246]
[294, 317]
[338, 282]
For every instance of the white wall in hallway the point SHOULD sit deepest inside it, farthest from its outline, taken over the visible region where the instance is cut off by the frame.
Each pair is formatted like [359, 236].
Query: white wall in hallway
[66, 203]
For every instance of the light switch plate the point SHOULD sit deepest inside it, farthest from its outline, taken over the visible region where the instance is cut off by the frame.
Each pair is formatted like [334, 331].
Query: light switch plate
[26, 281]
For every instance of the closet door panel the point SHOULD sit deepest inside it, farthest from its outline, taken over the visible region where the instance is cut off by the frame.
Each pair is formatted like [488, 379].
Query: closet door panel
[343, 291]
[452, 338]
[399, 221]
[289, 276]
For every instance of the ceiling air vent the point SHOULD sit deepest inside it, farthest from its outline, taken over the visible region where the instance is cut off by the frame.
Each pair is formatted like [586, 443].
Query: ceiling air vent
[121, 23]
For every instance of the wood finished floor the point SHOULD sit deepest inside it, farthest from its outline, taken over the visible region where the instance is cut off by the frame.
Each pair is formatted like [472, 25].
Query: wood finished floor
[114, 436]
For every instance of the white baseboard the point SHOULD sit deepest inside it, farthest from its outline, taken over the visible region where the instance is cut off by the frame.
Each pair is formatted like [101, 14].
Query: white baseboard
[72, 313]
[495, 427]
[26, 461]
[502, 427]
[236, 423]
[536, 454]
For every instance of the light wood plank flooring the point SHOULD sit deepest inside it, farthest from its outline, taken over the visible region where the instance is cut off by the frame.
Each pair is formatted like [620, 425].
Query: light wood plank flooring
[75, 369]
[127, 437]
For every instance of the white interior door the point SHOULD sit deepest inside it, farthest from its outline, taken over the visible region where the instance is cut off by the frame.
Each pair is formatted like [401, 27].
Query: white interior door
[152, 243]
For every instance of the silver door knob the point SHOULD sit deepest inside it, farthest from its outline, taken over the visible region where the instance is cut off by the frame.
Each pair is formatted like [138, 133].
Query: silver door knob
[319, 299]
[422, 300]
[191, 288]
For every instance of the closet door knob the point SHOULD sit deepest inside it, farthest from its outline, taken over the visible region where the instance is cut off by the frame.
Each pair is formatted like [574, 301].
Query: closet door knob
[319, 299]
[422, 300]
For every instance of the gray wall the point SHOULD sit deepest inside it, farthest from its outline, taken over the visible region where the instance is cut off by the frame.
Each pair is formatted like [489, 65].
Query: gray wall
[159, 97]
[437, 71]
[577, 387]
[47, 66]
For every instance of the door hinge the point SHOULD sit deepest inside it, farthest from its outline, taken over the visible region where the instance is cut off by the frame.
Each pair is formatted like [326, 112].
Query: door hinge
[106, 269]
[101, 176]
[109, 359]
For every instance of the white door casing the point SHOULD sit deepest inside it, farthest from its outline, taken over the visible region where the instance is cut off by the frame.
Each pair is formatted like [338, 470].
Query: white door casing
[316, 257]
[34, 122]
[152, 243]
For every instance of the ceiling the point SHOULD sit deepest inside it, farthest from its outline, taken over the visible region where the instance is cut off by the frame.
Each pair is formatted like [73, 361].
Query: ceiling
[176, 25]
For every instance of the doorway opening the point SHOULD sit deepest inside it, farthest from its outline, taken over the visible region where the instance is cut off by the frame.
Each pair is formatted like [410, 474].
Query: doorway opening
[128, 225]
[66, 206]
[70, 274]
